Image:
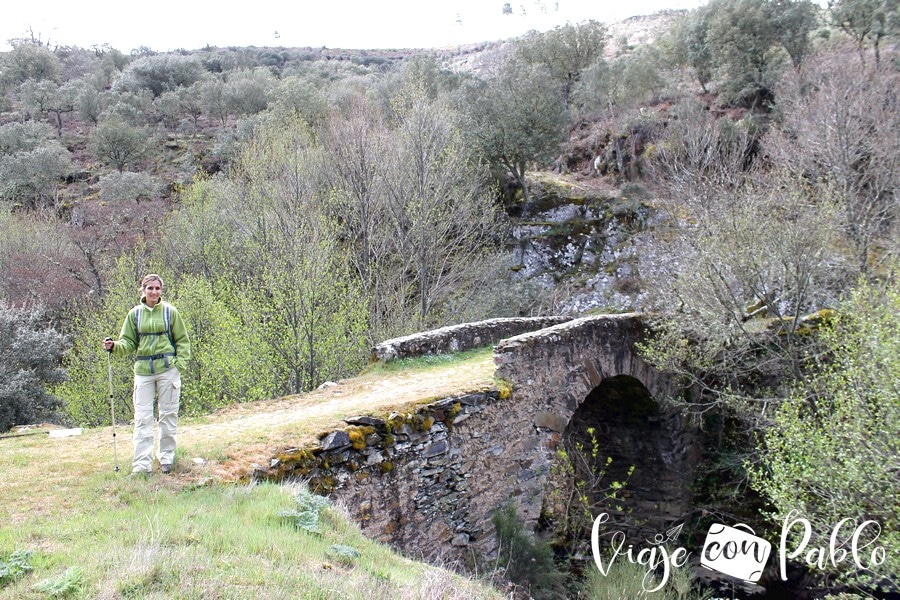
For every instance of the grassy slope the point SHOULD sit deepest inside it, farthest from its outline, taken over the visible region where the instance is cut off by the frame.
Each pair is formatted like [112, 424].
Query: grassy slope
[200, 533]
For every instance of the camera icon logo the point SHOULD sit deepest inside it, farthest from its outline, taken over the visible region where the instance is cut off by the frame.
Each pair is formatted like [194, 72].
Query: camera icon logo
[735, 552]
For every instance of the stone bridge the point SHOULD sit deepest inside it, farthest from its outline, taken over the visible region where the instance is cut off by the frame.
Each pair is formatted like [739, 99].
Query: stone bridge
[427, 483]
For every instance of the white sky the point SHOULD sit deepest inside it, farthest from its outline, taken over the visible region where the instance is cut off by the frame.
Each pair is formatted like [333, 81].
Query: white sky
[191, 24]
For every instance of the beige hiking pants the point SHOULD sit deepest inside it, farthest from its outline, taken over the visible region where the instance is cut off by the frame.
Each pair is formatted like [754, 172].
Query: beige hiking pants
[165, 386]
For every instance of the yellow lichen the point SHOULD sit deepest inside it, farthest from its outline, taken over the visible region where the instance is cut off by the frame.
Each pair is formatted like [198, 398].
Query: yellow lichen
[357, 438]
[504, 389]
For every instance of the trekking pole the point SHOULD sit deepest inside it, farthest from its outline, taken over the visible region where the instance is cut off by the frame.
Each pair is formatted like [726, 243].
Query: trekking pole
[112, 407]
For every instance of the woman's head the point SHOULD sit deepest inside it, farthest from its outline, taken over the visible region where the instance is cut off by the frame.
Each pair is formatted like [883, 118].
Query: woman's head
[151, 289]
[151, 277]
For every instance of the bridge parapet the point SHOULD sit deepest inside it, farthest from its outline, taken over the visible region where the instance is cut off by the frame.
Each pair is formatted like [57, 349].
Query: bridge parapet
[583, 352]
[457, 338]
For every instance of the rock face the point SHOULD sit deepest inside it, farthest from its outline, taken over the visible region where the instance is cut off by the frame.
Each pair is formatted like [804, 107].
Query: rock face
[428, 482]
[589, 241]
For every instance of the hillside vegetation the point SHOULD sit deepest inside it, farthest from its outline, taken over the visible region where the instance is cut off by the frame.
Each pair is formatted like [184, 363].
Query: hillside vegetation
[731, 170]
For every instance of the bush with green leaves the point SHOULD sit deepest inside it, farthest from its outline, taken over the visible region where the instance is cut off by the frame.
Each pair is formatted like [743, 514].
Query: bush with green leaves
[30, 353]
[118, 143]
[631, 580]
[228, 363]
[32, 162]
[160, 73]
[86, 389]
[832, 452]
[24, 137]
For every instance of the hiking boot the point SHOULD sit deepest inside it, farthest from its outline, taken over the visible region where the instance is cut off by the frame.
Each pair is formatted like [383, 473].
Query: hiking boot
[139, 474]
[165, 469]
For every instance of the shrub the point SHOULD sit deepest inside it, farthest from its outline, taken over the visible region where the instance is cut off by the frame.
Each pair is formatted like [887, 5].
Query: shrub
[30, 351]
[527, 562]
[121, 187]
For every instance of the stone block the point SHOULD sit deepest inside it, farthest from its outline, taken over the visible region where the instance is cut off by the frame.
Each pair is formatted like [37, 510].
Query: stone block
[336, 440]
[434, 449]
[551, 421]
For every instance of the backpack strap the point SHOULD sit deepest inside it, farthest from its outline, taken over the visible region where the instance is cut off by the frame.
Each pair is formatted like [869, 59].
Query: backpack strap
[167, 316]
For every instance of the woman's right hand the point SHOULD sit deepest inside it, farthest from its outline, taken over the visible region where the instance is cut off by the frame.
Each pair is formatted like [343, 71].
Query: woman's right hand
[108, 344]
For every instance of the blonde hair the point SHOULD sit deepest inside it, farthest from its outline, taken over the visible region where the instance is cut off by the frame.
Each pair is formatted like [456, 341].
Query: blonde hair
[151, 277]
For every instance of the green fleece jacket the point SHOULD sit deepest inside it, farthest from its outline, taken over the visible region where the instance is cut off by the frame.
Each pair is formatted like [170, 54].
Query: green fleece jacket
[153, 340]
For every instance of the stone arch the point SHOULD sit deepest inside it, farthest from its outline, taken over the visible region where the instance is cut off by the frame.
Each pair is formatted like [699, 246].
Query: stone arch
[638, 442]
[592, 364]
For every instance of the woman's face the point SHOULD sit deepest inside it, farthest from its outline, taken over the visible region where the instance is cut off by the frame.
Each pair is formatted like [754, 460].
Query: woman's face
[152, 292]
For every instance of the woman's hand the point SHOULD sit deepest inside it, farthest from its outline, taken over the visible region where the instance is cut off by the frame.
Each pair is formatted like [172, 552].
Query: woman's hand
[108, 344]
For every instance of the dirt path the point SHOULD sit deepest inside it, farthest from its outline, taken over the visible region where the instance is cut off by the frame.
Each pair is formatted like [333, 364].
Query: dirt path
[250, 433]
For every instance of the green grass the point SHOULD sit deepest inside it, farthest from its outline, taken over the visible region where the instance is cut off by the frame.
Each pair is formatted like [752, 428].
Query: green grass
[429, 361]
[147, 540]
[86, 531]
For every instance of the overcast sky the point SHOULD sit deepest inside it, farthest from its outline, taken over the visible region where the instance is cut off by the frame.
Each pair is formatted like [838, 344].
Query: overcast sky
[191, 24]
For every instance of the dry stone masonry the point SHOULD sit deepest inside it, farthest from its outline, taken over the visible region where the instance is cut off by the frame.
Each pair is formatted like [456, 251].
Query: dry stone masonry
[457, 338]
[427, 482]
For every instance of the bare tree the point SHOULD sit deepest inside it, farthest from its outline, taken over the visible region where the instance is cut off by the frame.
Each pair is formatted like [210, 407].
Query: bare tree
[839, 130]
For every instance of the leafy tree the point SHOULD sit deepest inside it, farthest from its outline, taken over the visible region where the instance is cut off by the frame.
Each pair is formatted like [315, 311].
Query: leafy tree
[30, 351]
[794, 20]
[35, 96]
[28, 61]
[48, 97]
[213, 99]
[247, 92]
[688, 41]
[228, 363]
[623, 82]
[516, 119]
[832, 452]
[24, 137]
[89, 102]
[306, 306]
[159, 73]
[132, 108]
[864, 20]
[294, 96]
[167, 109]
[740, 43]
[741, 35]
[118, 143]
[313, 318]
[32, 177]
[565, 52]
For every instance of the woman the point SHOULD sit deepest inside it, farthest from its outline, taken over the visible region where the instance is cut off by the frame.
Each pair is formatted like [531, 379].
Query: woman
[155, 332]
